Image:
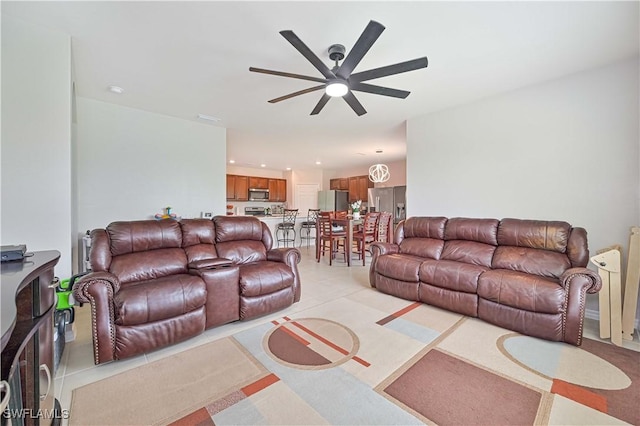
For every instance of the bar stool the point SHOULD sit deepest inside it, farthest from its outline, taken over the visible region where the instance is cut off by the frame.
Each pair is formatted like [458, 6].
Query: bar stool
[286, 228]
[308, 225]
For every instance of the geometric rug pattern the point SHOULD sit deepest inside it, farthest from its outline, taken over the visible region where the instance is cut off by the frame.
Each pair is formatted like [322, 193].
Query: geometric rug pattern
[373, 359]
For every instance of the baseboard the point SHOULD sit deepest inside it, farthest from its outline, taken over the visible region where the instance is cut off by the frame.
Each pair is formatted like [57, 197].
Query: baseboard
[595, 315]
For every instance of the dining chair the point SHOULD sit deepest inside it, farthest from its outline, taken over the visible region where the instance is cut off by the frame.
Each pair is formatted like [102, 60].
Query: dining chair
[366, 234]
[309, 225]
[385, 229]
[286, 230]
[329, 237]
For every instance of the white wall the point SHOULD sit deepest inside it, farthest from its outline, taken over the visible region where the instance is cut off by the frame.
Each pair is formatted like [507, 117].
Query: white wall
[567, 150]
[132, 164]
[36, 139]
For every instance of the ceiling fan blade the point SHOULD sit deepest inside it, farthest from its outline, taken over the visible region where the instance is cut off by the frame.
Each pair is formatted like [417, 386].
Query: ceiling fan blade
[287, 74]
[379, 90]
[354, 104]
[362, 46]
[307, 53]
[300, 92]
[321, 103]
[390, 70]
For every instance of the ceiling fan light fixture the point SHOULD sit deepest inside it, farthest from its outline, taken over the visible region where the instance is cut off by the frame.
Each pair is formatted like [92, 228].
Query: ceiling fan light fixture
[336, 89]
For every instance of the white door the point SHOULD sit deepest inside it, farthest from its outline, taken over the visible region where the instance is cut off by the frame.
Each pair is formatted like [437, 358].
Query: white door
[306, 197]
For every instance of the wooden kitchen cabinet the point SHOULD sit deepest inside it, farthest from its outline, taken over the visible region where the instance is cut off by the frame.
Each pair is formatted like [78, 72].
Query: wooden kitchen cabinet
[237, 188]
[278, 190]
[359, 188]
[340, 184]
[258, 182]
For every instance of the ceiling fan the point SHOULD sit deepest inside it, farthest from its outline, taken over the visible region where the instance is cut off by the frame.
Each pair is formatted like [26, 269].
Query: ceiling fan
[340, 81]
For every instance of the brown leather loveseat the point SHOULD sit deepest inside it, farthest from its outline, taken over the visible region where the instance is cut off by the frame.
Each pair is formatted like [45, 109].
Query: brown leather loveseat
[524, 275]
[155, 283]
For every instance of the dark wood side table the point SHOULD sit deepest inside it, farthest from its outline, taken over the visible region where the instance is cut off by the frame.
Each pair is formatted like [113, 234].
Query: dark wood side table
[28, 299]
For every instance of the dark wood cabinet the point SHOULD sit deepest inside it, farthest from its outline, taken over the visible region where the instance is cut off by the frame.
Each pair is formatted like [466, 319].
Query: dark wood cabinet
[237, 188]
[28, 304]
[340, 184]
[359, 188]
[277, 190]
[258, 182]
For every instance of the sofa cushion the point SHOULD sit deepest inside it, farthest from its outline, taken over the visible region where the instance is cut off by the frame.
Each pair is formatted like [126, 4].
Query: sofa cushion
[468, 252]
[424, 227]
[451, 275]
[198, 239]
[149, 265]
[158, 299]
[422, 247]
[143, 235]
[243, 251]
[545, 263]
[538, 234]
[260, 278]
[401, 267]
[522, 291]
[480, 230]
[237, 228]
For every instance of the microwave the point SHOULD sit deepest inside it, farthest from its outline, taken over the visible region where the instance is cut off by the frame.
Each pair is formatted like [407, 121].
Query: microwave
[258, 194]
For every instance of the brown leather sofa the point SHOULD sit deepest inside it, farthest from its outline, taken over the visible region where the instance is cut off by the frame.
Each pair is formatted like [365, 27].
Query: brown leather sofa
[524, 275]
[155, 283]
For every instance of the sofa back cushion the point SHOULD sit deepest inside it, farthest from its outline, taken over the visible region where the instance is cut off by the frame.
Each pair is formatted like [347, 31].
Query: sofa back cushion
[240, 238]
[143, 235]
[533, 246]
[470, 241]
[422, 236]
[145, 249]
[198, 239]
[537, 234]
[148, 265]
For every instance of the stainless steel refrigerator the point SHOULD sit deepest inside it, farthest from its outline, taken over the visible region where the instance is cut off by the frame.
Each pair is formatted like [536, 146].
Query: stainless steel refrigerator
[333, 200]
[392, 200]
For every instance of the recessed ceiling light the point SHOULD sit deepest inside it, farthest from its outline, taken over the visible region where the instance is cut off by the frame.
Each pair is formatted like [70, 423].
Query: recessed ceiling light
[318, 162]
[288, 168]
[263, 165]
[232, 161]
[208, 117]
[116, 89]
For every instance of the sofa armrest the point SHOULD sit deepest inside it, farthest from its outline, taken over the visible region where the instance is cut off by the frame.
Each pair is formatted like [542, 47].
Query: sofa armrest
[377, 249]
[577, 282]
[592, 280]
[82, 287]
[98, 289]
[289, 256]
[213, 263]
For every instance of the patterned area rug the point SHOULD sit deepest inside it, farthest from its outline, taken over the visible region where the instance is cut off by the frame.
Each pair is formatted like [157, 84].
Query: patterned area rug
[373, 359]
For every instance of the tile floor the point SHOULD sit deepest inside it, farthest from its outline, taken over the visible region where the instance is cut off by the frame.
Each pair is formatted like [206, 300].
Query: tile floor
[320, 284]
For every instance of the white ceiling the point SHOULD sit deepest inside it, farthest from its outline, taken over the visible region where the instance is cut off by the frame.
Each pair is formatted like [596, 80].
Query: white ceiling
[185, 58]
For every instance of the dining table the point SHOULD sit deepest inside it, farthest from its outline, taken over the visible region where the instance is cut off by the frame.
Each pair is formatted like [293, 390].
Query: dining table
[349, 225]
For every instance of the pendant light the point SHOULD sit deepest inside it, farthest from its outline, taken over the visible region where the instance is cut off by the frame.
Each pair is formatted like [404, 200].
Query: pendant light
[379, 173]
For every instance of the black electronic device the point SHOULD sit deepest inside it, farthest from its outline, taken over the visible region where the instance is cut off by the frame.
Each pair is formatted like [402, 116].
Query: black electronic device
[12, 253]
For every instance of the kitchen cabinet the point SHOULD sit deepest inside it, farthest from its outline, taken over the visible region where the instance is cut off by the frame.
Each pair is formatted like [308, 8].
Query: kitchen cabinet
[340, 184]
[258, 182]
[237, 188]
[277, 190]
[359, 188]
